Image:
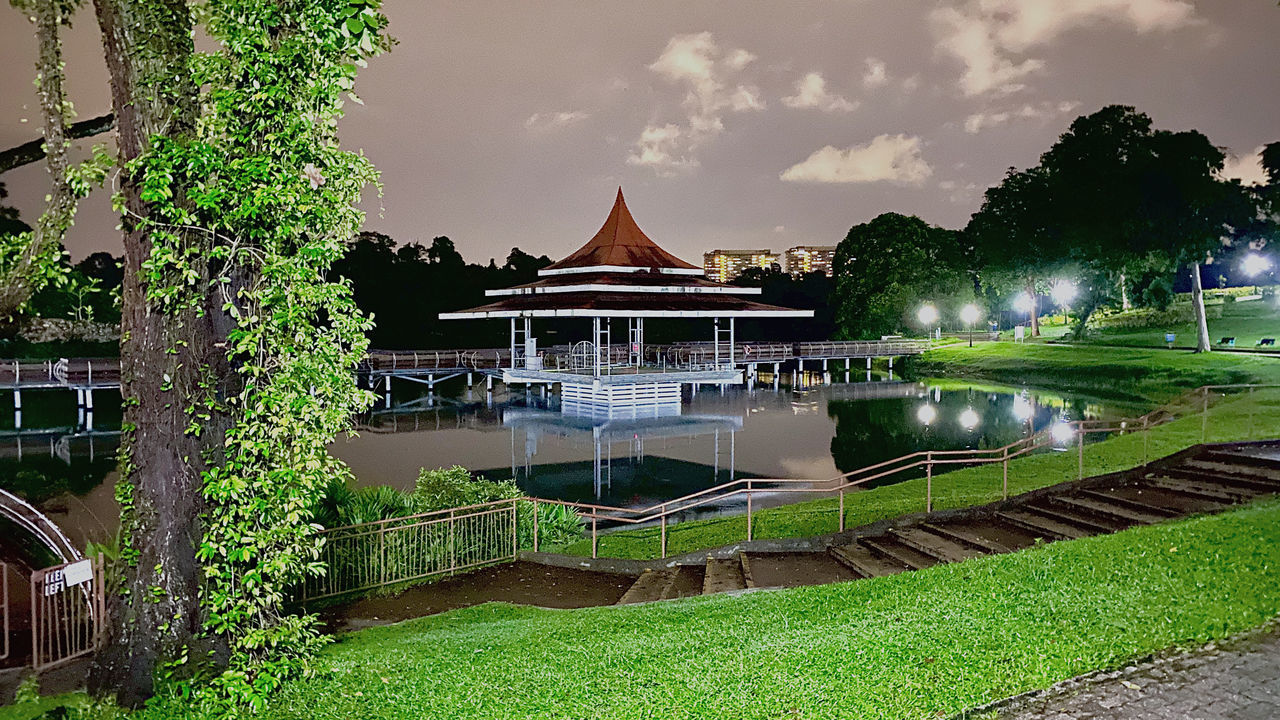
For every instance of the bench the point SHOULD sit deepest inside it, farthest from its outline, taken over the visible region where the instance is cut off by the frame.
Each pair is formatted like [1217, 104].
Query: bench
[1228, 341]
[1267, 342]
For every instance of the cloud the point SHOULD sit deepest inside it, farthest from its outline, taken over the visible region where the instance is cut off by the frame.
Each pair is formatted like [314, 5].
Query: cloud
[1245, 168]
[710, 78]
[876, 74]
[662, 148]
[979, 121]
[555, 120]
[811, 92]
[887, 158]
[992, 37]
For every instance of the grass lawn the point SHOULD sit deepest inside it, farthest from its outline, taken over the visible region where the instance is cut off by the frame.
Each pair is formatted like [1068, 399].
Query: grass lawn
[925, 644]
[1154, 375]
[1247, 321]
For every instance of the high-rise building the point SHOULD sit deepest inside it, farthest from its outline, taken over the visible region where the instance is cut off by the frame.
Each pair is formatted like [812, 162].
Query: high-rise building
[811, 258]
[725, 265]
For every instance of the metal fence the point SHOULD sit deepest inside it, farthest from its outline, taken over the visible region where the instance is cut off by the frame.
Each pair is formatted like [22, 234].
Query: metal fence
[67, 612]
[399, 550]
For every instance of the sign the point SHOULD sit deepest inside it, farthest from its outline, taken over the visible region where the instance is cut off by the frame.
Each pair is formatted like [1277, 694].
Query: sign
[1170, 337]
[77, 572]
[1019, 333]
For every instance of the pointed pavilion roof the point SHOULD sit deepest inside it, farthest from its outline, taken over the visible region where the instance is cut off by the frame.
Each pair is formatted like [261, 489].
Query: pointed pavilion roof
[620, 243]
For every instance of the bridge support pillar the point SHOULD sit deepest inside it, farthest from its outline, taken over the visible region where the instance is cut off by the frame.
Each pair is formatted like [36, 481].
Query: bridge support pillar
[488, 383]
[469, 383]
[868, 364]
[890, 362]
[777, 374]
[17, 417]
[387, 391]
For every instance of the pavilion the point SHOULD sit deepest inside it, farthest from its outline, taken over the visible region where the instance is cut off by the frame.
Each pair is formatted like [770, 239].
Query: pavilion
[621, 273]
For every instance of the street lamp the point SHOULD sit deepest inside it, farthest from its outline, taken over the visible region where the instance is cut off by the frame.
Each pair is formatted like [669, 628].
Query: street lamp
[928, 315]
[1063, 291]
[970, 314]
[1255, 264]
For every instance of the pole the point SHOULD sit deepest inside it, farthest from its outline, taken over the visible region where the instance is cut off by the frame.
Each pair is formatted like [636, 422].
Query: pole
[841, 525]
[1204, 414]
[750, 529]
[970, 336]
[1004, 485]
[664, 531]
[1146, 437]
[535, 525]
[1080, 447]
[928, 482]
[595, 537]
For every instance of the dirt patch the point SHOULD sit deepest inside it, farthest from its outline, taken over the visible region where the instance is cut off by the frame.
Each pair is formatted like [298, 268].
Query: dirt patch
[522, 583]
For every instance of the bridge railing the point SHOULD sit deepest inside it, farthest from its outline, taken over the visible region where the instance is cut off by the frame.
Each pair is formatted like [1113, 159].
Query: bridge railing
[860, 348]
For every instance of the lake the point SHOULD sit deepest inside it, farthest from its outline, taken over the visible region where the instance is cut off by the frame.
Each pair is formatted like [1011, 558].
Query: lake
[713, 437]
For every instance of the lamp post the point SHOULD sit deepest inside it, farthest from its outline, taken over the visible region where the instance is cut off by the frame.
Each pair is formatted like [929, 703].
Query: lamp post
[928, 315]
[970, 314]
[1255, 264]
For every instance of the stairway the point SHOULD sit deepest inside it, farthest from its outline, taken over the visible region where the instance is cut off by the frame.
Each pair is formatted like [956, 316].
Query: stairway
[1209, 480]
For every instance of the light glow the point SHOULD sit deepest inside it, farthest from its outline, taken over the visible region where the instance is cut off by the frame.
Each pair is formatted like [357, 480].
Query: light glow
[928, 315]
[1255, 264]
[1021, 408]
[1063, 432]
[1022, 303]
[970, 314]
[969, 419]
[926, 414]
[1063, 292]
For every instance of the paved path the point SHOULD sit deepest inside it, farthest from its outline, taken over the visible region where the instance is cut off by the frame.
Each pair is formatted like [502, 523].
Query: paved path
[1237, 681]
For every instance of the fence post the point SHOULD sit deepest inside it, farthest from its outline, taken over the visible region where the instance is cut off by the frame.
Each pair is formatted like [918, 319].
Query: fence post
[1204, 414]
[595, 537]
[663, 531]
[1004, 483]
[1146, 437]
[453, 542]
[535, 525]
[515, 526]
[1080, 447]
[750, 530]
[841, 525]
[382, 552]
[1250, 435]
[928, 481]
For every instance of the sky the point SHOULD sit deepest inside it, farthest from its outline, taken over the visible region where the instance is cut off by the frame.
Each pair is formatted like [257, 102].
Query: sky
[728, 125]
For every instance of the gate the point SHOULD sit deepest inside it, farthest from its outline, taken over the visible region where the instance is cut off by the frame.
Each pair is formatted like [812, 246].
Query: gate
[67, 611]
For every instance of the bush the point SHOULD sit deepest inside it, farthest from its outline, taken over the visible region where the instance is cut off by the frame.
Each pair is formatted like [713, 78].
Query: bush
[445, 488]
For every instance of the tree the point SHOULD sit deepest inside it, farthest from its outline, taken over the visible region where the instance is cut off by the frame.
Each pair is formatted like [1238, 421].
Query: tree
[1271, 162]
[886, 268]
[237, 352]
[1015, 239]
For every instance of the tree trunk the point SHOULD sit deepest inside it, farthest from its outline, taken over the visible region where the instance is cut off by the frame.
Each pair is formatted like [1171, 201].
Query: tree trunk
[1197, 304]
[29, 152]
[1124, 292]
[19, 282]
[172, 367]
[1035, 307]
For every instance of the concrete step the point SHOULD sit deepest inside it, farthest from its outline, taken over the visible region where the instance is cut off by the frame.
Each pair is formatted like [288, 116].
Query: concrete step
[864, 562]
[686, 582]
[723, 576]
[1093, 524]
[1210, 491]
[1241, 468]
[943, 549]
[1242, 457]
[648, 587]
[893, 549]
[972, 537]
[1130, 502]
[1180, 504]
[1105, 507]
[1217, 478]
[794, 569]
[1042, 526]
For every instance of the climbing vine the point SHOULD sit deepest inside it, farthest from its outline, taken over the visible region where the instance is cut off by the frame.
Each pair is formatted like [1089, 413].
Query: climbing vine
[254, 209]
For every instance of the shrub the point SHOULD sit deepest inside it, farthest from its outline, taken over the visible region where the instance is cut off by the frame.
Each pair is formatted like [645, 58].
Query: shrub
[445, 488]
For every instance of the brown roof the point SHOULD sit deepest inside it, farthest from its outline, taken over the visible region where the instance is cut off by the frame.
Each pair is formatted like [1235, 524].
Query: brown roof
[639, 278]
[587, 303]
[621, 242]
